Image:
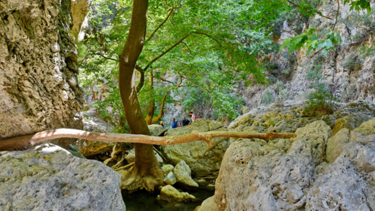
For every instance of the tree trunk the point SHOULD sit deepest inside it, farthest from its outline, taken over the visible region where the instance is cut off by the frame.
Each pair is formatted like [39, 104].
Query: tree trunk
[145, 174]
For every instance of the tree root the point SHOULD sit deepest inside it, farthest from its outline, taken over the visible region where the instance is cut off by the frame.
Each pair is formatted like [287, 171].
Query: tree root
[138, 179]
[125, 167]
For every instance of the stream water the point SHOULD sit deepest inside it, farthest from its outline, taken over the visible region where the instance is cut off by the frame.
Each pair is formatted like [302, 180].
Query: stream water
[144, 201]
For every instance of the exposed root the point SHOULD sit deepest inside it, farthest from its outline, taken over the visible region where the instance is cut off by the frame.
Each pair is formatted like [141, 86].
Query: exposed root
[125, 167]
[138, 179]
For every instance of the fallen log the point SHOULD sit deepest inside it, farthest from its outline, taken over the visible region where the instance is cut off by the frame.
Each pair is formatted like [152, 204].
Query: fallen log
[30, 140]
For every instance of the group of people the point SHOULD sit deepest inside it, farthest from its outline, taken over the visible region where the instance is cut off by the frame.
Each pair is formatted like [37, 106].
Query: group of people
[184, 121]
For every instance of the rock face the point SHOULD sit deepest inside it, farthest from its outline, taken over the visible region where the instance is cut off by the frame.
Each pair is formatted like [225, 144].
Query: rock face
[38, 67]
[348, 71]
[202, 160]
[50, 178]
[256, 175]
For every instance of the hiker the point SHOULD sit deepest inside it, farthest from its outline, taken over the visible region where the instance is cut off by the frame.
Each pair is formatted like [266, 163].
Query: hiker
[161, 123]
[174, 123]
[193, 117]
[185, 121]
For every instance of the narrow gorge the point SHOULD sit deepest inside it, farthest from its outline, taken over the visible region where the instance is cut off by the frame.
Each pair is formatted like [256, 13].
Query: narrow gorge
[187, 105]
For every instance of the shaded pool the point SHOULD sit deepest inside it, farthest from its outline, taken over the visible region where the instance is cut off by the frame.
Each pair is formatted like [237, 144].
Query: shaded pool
[144, 201]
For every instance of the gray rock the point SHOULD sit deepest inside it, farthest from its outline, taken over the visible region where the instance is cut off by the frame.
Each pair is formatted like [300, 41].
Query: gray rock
[366, 128]
[50, 178]
[156, 130]
[166, 168]
[201, 159]
[170, 179]
[335, 144]
[183, 174]
[170, 194]
[350, 122]
[263, 177]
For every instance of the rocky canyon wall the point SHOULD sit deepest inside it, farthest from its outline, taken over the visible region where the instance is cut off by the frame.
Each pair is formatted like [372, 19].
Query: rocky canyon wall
[348, 71]
[38, 67]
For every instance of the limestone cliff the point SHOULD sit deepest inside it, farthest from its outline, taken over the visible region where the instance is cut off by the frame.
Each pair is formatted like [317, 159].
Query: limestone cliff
[38, 67]
[348, 71]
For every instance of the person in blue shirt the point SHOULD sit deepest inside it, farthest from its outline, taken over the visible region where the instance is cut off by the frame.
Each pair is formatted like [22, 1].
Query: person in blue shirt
[185, 121]
[174, 123]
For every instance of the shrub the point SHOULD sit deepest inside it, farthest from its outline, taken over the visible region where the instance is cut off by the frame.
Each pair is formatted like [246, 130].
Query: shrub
[353, 62]
[267, 97]
[321, 101]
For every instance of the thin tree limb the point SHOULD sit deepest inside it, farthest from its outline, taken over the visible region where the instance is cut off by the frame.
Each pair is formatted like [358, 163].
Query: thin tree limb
[176, 44]
[165, 20]
[165, 80]
[165, 52]
[105, 57]
[142, 79]
[337, 14]
[157, 118]
[31, 140]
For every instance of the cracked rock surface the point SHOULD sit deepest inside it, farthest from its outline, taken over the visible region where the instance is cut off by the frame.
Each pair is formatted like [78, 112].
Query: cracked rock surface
[256, 175]
[50, 178]
[38, 68]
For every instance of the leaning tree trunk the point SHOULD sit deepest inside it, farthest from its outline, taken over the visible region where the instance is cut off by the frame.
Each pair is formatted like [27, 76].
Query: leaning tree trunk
[145, 174]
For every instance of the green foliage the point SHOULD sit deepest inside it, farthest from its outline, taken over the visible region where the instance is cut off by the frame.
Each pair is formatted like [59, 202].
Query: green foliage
[321, 100]
[314, 40]
[223, 41]
[359, 5]
[310, 40]
[353, 62]
[282, 93]
[267, 97]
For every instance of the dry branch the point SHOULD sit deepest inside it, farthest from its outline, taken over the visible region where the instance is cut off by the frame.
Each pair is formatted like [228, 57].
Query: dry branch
[30, 140]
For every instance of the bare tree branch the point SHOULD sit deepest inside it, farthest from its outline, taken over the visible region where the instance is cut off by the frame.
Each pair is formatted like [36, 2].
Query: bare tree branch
[165, 20]
[142, 79]
[177, 43]
[165, 52]
[157, 118]
[108, 58]
[31, 140]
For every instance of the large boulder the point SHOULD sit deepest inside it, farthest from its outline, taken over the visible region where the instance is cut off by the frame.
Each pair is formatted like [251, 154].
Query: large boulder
[156, 130]
[260, 176]
[201, 159]
[50, 178]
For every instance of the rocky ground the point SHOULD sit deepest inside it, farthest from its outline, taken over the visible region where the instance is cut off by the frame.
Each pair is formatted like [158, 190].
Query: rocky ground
[328, 166]
[314, 171]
